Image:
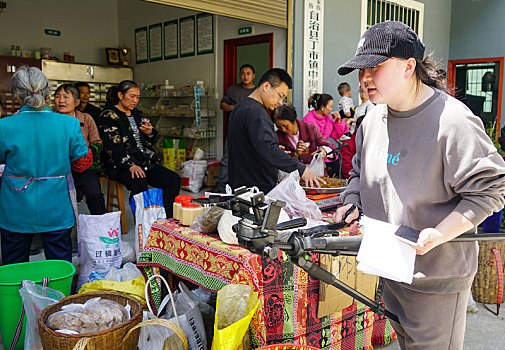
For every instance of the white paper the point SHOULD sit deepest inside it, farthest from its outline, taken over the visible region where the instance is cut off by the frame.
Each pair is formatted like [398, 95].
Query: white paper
[382, 254]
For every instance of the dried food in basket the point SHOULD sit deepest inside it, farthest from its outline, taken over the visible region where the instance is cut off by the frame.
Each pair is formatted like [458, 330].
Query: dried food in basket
[94, 316]
[75, 322]
[105, 313]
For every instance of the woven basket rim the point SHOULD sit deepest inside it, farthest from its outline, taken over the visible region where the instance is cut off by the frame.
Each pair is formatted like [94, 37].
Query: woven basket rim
[86, 296]
[485, 286]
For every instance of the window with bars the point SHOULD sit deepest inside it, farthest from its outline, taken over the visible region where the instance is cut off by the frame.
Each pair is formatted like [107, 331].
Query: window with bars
[409, 12]
[476, 85]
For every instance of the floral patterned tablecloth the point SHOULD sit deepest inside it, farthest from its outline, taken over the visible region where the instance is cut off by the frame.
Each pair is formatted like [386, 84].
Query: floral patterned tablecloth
[288, 296]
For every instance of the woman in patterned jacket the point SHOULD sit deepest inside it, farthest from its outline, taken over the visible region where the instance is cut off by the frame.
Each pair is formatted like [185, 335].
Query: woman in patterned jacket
[128, 140]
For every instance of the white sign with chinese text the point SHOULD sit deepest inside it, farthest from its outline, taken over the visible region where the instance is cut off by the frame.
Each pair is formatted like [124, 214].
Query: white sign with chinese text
[312, 49]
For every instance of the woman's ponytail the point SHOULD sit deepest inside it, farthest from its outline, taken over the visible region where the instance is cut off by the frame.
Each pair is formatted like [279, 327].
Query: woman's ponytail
[317, 101]
[428, 73]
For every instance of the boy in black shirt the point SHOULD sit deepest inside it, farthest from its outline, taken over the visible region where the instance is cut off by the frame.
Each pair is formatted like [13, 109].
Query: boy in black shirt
[253, 148]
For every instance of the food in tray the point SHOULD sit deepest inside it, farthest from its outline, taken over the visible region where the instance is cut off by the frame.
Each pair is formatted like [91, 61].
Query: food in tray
[94, 316]
[106, 313]
[72, 321]
[331, 182]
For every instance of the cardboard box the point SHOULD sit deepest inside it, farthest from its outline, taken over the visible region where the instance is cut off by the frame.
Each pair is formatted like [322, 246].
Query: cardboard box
[212, 173]
[332, 299]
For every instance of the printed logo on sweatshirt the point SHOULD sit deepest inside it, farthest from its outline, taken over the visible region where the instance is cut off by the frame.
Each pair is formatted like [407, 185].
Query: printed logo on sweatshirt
[383, 154]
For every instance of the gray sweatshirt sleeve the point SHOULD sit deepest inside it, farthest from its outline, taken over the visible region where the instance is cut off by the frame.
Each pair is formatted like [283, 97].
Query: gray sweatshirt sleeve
[474, 169]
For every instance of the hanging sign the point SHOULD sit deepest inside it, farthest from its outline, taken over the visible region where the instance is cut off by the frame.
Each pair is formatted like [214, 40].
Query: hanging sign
[312, 49]
[53, 32]
[247, 30]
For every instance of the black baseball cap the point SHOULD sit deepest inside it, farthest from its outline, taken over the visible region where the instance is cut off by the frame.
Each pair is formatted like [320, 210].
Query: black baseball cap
[381, 42]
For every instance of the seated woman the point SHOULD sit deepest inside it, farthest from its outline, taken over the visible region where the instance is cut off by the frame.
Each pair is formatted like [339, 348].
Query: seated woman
[87, 183]
[128, 140]
[293, 133]
[320, 116]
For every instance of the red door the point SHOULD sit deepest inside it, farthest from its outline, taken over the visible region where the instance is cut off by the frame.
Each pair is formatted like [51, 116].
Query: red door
[230, 64]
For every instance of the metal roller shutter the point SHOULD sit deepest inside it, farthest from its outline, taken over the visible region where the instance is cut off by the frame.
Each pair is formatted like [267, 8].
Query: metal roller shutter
[272, 12]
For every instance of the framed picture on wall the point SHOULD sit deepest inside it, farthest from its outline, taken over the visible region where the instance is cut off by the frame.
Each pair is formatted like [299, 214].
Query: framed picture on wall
[113, 56]
[141, 45]
[204, 33]
[155, 42]
[171, 39]
[187, 36]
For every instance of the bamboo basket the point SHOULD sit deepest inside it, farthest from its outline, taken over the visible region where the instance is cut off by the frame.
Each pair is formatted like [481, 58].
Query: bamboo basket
[121, 337]
[487, 287]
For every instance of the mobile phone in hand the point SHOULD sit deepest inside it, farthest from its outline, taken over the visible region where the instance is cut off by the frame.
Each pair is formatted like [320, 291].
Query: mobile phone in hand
[407, 235]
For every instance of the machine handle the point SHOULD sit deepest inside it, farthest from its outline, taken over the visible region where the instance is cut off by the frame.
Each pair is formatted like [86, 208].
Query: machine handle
[298, 222]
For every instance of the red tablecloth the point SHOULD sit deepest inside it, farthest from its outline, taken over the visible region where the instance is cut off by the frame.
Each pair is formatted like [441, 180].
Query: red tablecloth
[288, 296]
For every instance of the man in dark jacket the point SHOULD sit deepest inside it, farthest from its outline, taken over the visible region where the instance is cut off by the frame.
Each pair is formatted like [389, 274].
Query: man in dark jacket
[253, 148]
[84, 105]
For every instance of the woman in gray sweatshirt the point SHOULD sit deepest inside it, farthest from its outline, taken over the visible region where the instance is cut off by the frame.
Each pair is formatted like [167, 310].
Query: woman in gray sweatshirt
[422, 160]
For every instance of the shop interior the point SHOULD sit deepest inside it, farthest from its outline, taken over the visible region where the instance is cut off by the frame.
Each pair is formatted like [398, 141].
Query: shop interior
[112, 25]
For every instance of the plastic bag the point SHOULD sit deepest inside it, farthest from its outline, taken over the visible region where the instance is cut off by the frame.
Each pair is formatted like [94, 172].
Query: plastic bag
[297, 203]
[189, 318]
[127, 280]
[99, 246]
[128, 272]
[206, 299]
[155, 337]
[193, 172]
[208, 220]
[35, 299]
[192, 175]
[148, 208]
[128, 253]
[236, 306]
[317, 164]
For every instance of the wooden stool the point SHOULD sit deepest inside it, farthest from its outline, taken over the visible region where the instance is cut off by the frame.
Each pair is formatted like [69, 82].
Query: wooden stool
[115, 191]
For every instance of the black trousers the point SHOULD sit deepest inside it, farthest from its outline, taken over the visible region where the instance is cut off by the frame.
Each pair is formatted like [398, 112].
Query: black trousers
[16, 246]
[222, 177]
[87, 183]
[159, 177]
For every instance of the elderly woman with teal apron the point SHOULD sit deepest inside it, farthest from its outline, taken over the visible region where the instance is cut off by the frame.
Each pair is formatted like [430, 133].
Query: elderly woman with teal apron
[37, 147]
